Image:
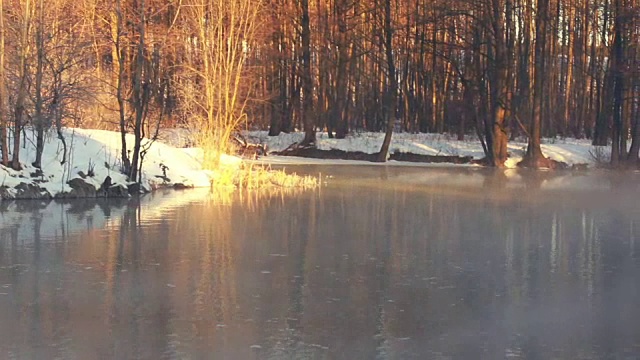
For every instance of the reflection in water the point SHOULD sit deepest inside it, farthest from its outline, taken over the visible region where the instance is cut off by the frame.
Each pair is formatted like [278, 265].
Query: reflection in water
[347, 272]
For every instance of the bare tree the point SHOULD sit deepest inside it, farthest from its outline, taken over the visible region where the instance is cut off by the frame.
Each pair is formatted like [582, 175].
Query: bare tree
[26, 13]
[534, 157]
[39, 121]
[138, 81]
[307, 79]
[4, 138]
[391, 93]
[217, 83]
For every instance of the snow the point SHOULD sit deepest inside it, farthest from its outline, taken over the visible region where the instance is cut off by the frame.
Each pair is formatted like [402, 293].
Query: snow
[570, 151]
[100, 149]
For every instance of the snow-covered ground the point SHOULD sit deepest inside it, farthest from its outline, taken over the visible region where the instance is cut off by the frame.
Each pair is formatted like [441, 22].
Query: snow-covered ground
[570, 151]
[99, 150]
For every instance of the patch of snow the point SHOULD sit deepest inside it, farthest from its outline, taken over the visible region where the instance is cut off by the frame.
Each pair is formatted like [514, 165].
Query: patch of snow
[99, 151]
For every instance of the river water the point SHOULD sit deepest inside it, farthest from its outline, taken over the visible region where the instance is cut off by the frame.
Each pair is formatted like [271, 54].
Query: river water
[380, 263]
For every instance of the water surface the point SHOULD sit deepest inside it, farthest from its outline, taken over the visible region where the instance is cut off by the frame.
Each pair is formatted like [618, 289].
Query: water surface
[381, 263]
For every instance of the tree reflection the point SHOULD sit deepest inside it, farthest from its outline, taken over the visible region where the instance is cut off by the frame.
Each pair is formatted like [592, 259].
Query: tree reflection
[351, 271]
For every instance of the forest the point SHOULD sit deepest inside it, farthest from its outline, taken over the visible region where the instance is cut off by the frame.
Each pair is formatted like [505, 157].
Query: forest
[494, 70]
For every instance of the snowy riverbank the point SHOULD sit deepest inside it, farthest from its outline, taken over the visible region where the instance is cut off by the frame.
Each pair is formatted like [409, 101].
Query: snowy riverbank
[96, 152]
[570, 151]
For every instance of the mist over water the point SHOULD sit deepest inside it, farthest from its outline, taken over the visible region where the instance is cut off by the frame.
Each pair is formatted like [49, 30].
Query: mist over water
[381, 263]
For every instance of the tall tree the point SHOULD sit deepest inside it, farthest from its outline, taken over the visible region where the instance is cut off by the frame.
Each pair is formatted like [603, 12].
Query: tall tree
[120, 57]
[39, 121]
[24, 52]
[534, 157]
[4, 138]
[307, 79]
[391, 92]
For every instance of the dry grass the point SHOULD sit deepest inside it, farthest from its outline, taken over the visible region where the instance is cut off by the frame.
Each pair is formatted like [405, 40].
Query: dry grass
[250, 199]
[257, 177]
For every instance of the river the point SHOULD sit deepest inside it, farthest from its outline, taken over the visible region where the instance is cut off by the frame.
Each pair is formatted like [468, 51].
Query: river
[380, 263]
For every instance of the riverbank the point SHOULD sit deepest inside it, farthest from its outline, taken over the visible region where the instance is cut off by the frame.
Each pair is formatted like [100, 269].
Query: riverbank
[92, 166]
[424, 148]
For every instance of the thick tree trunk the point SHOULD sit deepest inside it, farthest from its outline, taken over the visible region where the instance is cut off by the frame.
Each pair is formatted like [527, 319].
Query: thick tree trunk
[604, 96]
[391, 96]
[617, 52]
[17, 126]
[339, 107]
[634, 152]
[140, 96]
[307, 79]
[534, 157]
[499, 137]
[499, 88]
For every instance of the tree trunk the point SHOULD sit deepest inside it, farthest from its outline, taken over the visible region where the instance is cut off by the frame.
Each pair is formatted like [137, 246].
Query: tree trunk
[338, 113]
[39, 118]
[390, 98]
[615, 68]
[307, 80]
[140, 95]
[4, 136]
[634, 152]
[19, 107]
[534, 157]
[279, 104]
[497, 139]
[122, 110]
[603, 100]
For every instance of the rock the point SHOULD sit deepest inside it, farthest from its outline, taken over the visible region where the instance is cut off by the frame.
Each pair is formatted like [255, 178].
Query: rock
[31, 191]
[62, 195]
[5, 194]
[81, 189]
[110, 190]
[37, 173]
[117, 191]
[181, 186]
[134, 189]
[103, 191]
[106, 184]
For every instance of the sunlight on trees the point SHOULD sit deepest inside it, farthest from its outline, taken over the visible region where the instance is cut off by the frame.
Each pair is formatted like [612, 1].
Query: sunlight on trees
[495, 70]
[217, 82]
